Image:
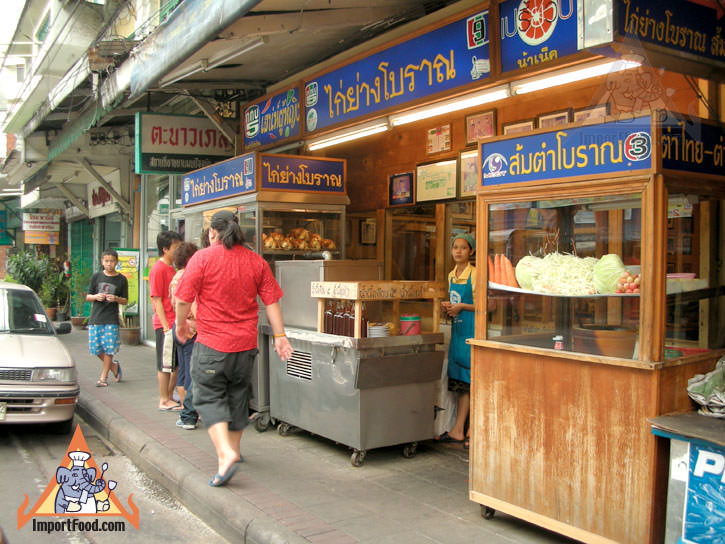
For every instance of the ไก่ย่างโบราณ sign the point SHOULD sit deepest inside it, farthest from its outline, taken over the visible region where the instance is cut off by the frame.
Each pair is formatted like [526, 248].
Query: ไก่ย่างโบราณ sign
[231, 177]
[296, 173]
[441, 60]
[174, 144]
[591, 150]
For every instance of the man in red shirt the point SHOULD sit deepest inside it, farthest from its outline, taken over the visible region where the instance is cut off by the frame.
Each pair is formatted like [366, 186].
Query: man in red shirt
[225, 280]
[160, 277]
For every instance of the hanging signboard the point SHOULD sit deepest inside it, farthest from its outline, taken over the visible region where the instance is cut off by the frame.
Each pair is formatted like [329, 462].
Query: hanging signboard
[693, 145]
[535, 32]
[231, 177]
[296, 173]
[42, 237]
[100, 201]
[591, 150]
[272, 120]
[41, 222]
[677, 25]
[441, 60]
[174, 144]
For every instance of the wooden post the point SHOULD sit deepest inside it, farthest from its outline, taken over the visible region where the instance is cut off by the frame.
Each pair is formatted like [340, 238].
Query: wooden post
[358, 319]
[321, 314]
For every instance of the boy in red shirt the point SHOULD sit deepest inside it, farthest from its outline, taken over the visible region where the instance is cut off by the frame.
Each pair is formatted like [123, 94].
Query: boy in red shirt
[160, 278]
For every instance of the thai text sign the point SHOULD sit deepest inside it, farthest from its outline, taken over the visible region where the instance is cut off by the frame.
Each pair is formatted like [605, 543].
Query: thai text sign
[704, 517]
[693, 147]
[100, 201]
[272, 120]
[231, 177]
[129, 265]
[41, 221]
[676, 24]
[295, 173]
[441, 60]
[174, 144]
[536, 31]
[619, 146]
[41, 237]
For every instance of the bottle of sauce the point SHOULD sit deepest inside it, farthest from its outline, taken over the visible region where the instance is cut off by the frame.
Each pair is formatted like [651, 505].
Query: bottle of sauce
[328, 317]
[349, 317]
[364, 322]
[338, 326]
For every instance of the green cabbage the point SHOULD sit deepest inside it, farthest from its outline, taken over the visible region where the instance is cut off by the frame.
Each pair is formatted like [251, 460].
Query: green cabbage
[527, 270]
[607, 272]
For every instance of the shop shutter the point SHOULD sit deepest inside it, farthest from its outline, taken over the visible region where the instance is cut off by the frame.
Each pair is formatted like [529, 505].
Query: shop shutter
[81, 266]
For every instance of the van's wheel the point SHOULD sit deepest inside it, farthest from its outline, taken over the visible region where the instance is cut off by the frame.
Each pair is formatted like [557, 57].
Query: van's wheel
[358, 458]
[487, 512]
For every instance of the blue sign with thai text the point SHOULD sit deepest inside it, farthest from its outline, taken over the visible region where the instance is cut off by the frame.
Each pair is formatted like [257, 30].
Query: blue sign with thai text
[693, 146]
[676, 24]
[443, 59]
[536, 31]
[227, 178]
[274, 119]
[293, 173]
[619, 146]
[704, 519]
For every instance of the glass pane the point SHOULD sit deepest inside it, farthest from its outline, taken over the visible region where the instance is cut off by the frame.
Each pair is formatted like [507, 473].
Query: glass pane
[413, 243]
[693, 310]
[461, 217]
[157, 208]
[564, 274]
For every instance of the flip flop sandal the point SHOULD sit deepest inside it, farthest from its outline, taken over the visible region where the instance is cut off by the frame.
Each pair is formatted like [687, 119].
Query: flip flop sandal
[219, 480]
[101, 383]
[448, 439]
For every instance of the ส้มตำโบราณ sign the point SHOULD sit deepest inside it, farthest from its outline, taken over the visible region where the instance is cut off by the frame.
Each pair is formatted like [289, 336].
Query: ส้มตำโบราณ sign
[227, 178]
[274, 119]
[591, 150]
[681, 25]
[294, 173]
[174, 144]
[441, 60]
[536, 31]
[693, 146]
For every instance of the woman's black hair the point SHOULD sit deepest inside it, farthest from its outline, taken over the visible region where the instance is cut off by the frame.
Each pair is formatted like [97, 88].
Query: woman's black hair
[183, 253]
[205, 238]
[230, 233]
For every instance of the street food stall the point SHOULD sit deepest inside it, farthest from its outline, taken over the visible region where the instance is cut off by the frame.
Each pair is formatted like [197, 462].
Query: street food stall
[601, 298]
[361, 390]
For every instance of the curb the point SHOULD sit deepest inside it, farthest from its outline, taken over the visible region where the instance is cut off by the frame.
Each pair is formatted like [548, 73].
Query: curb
[219, 508]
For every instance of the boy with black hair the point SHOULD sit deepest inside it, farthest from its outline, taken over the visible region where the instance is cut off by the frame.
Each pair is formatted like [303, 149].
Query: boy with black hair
[160, 278]
[106, 290]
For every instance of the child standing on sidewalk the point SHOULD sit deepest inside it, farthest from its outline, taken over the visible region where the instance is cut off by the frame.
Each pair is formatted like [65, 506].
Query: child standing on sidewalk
[106, 290]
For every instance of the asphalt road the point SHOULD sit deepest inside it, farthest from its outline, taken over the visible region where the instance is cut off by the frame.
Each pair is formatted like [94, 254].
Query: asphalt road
[29, 457]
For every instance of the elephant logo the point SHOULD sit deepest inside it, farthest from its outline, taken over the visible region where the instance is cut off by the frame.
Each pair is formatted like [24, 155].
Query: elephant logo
[78, 487]
[79, 491]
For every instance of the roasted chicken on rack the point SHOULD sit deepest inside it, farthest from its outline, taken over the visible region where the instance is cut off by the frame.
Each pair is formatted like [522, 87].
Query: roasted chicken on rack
[299, 238]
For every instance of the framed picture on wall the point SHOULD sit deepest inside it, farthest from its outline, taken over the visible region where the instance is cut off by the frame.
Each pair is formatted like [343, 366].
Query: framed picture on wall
[519, 127]
[480, 125]
[593, 113]
[438, 139]
[368, 232]
[400, 189]
[554, 119]
[467, 173]
[436, 181]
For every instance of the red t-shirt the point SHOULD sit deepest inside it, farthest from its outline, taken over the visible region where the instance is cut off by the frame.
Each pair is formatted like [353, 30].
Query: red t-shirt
[225, 284]
[159, 279]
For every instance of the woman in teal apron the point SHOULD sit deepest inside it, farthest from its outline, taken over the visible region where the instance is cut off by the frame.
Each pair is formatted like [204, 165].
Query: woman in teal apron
[460, 308]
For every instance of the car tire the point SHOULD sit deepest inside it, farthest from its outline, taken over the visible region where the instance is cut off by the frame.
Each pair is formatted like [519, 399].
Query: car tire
[61, 427]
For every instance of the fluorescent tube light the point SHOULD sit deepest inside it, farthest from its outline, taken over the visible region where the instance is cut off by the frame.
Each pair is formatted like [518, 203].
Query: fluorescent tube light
[454, 104]
[570, 75]
[346, 135]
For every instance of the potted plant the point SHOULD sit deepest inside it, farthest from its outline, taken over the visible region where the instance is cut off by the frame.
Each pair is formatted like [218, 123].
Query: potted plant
[129, 331]
[79, 307]
[54, 292]
[28, 269]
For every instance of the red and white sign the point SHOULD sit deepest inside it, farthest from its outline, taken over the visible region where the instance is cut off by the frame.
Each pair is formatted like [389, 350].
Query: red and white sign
[41, 222]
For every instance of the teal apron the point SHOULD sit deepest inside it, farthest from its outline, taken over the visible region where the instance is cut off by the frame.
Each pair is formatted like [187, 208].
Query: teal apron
[459, 353]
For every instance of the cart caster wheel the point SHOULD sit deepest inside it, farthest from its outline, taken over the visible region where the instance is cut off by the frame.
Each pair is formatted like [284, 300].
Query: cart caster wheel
[409, 450]
[284, 429]
[487, 512]
[358, 458]
[262, 423]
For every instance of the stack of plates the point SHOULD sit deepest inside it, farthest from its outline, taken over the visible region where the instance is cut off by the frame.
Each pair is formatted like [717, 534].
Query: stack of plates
[378, 330]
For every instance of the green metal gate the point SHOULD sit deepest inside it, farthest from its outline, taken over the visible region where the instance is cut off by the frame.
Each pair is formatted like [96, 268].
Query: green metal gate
[81, 258]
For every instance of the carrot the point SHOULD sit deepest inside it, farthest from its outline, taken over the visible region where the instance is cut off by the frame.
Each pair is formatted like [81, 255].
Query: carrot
[490, 268]
[497, 272]
[509, 272]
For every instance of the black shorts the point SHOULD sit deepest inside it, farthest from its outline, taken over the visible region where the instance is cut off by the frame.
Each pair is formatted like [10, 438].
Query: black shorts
[222, 384]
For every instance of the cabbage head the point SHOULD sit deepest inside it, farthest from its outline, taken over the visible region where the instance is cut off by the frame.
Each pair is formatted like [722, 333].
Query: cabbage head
[607, 272]
[527, 270]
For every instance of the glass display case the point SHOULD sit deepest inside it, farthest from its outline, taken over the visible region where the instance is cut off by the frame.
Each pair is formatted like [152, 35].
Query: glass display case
[565, 274]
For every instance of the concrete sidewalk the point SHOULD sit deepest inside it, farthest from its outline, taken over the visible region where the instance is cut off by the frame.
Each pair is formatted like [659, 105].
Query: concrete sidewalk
[298, 488]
